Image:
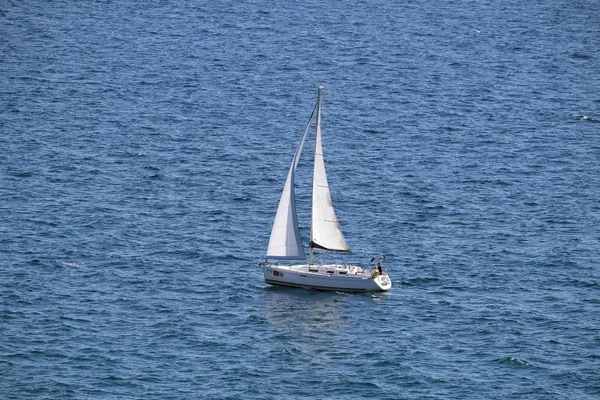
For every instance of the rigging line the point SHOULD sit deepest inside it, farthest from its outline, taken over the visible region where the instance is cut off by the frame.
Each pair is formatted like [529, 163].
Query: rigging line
[311, 115]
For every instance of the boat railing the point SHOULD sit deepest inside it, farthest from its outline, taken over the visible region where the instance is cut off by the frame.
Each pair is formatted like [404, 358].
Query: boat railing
[268, 263]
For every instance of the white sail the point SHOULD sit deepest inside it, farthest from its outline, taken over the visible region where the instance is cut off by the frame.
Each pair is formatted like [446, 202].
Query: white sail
[325, 229]
[285, 241]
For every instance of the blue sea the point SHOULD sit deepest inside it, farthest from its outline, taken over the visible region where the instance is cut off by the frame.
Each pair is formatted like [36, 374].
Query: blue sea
[144, 146]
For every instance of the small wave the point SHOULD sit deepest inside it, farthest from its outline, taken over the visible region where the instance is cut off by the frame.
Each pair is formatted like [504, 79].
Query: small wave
[71, 263]
[229, 257]
[512, 360]
[585, 118]
[421, 281]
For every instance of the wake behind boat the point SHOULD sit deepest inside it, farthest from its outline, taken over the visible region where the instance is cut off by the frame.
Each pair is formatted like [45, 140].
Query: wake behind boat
[325, 235]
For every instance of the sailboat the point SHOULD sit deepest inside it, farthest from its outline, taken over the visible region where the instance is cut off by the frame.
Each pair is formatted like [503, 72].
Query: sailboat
[326, 236]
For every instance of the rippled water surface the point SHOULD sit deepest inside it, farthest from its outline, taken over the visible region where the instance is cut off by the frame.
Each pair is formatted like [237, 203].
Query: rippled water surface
[144, 145]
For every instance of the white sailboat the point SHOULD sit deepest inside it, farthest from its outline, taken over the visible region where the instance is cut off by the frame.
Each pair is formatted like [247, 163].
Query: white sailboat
[325, 235]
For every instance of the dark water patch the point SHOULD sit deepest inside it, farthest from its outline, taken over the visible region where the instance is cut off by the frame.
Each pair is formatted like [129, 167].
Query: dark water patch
[421, 281]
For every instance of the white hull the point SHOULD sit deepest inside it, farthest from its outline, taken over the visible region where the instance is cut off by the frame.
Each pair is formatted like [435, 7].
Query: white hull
[326, 277]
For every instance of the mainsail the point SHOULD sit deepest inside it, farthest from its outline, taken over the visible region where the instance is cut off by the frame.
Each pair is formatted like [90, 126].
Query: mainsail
[285, 241]
[325, 230]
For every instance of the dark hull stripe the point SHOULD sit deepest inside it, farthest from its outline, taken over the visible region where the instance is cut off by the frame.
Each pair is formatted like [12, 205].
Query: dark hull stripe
[271, 282]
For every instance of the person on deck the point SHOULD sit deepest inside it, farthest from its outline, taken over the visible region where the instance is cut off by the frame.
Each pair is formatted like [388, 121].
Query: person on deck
[378, 271]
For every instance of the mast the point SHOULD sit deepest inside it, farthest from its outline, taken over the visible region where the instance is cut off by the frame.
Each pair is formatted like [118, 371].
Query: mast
[320, 95]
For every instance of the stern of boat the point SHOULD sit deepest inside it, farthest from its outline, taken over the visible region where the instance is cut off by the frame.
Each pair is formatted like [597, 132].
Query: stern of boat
[383, 282]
